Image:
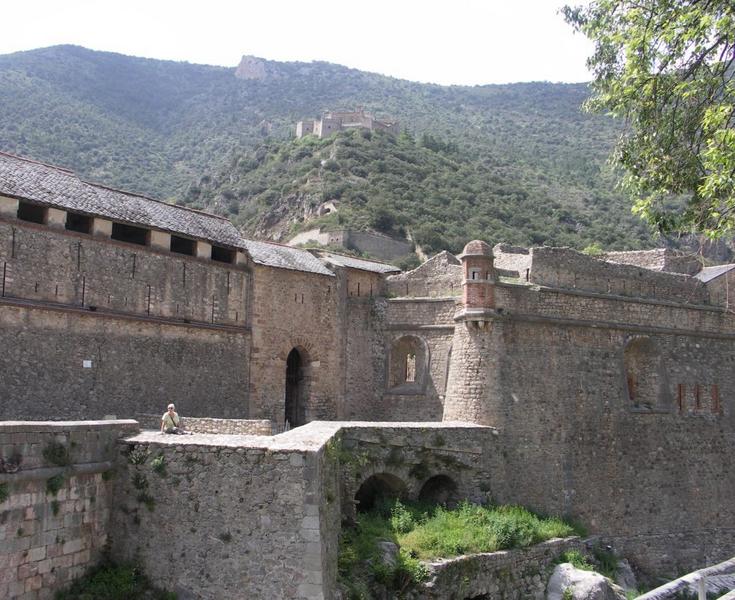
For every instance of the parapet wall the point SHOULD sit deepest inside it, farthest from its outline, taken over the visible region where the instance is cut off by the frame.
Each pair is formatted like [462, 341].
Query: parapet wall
[440, 276]
[209, 425]
[566, 268]
[55, 501]
[502, 575]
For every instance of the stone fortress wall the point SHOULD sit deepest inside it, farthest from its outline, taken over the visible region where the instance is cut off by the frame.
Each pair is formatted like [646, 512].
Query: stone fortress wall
[607, 387]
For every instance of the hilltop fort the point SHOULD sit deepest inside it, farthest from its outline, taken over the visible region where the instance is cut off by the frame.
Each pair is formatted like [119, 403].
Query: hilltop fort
[333, 121]
[600, 389]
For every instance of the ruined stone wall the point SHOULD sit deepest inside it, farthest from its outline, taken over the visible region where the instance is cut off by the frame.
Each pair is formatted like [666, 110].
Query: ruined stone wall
[55, 503]
[660, 259]
[499, 575]
[51, 265]
[566, 268]
[72, 364]
[294, 309]
[440, 276]
[551, 375]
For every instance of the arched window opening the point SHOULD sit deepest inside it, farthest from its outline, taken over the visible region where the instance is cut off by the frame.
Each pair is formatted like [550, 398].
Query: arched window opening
[441, 490]
[408, 364]
[378, 489]
[643, 377]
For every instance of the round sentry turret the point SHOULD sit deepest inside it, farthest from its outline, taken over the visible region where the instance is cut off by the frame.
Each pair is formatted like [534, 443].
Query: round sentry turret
[479, 275]
[477, 248]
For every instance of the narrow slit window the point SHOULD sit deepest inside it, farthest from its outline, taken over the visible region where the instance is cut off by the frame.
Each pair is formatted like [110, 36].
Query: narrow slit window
[183, 245]
[78, 223]
[33, 213]
[715, 399]
[410, 368]
[130, 234]
[221, 254]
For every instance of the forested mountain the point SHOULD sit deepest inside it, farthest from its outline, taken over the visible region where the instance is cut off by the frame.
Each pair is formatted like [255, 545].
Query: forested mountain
[515, 162]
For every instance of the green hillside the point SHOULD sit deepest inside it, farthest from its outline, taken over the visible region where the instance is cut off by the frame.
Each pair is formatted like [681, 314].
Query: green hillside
[421, 185]
[516, 162]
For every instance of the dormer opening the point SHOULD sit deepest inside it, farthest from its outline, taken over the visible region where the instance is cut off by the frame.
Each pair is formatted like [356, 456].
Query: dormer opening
[33, 213]
[182, 245]
[130, 234]
[222, 254]
[78, 223]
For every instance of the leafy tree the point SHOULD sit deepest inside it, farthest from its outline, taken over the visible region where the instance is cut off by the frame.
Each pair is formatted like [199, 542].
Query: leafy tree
[666, 68]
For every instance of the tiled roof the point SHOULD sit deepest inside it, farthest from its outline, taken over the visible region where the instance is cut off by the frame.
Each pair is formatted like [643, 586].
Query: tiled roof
[710, 273]
[57, 187]
[284, 257]
[356, 263]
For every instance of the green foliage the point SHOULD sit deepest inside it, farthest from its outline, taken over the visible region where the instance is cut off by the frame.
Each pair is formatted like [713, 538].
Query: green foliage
[567, 594]
[54, 484]
[57, 454]
[113, 582]
[159, 465]
[593, 249]
[55, 507]
[517, 163]
[396, 186]
[4, 492]
[137, 455]
[576, 559]
[424, 532]
[606, 561]
[666, 68]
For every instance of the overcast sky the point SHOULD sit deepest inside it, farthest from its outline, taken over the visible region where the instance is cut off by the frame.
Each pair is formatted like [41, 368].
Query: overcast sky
[448, 41]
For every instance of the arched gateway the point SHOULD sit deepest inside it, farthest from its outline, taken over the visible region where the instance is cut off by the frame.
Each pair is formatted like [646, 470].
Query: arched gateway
[296, 388]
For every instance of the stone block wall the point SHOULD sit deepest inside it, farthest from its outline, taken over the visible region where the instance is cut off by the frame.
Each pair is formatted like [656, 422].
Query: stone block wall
[566, 268]
[440, 276]
[551, 374]
[235, 518]
[210, 425]
[52, 265]
[67, 363]
[505, 575]
[55, 502]
[294, 309]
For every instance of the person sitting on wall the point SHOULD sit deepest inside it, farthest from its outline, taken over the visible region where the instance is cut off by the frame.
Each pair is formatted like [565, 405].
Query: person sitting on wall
[171, 422]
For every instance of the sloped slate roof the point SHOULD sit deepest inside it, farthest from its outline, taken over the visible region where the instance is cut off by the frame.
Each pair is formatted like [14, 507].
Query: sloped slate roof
[57, 187]
[710, 273]
[284, 257]
[355, 263]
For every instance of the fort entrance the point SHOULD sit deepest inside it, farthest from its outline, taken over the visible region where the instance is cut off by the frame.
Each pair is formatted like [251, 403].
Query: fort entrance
[296, 387]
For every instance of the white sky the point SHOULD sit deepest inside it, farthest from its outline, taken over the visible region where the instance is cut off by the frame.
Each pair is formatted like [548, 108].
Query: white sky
[447, 41]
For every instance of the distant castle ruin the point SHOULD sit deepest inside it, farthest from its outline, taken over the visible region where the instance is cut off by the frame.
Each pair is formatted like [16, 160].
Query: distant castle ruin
[334, 121]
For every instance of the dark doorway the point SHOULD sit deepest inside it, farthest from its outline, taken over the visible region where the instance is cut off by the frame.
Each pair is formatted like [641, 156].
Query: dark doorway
[377, 489]
[294, 389]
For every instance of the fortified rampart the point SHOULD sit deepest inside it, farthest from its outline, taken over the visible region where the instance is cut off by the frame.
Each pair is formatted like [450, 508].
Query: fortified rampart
[596, 390]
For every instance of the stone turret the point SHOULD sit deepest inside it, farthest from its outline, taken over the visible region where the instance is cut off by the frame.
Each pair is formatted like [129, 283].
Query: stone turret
[478, 283]
[473, 386]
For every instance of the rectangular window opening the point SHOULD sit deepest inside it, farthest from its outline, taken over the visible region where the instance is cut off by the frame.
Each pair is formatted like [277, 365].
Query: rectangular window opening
[33, 213]
[130, 234]
[79, 223]
[221, 254]
[183, 245]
